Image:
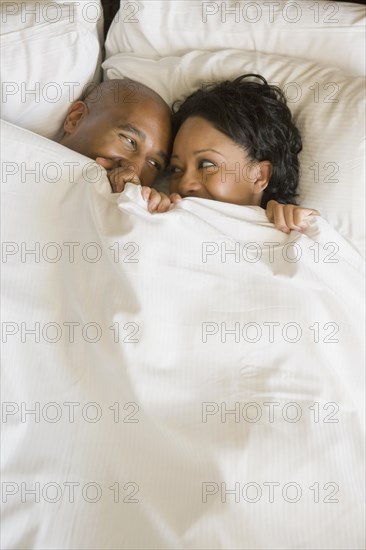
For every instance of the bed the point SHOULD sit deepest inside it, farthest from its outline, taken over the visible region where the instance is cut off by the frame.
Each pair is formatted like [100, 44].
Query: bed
[193, 379]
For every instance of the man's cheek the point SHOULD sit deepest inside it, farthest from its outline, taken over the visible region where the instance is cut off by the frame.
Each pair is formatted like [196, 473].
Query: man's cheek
[147, 179]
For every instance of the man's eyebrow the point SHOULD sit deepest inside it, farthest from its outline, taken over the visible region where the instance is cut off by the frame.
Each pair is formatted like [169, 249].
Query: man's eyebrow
[200, 151]
[133, 131]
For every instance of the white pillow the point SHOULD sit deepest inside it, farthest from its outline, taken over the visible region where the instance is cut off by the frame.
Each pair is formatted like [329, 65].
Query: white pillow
[332, 33]
[50, 53]
[18, 15]
[329, 107]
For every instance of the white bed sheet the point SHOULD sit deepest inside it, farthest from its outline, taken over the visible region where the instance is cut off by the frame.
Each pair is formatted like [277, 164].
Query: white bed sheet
[174, 459]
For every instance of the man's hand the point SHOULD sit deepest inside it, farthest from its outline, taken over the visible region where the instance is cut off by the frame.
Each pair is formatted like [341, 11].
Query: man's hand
[289, 216]
[119, 176]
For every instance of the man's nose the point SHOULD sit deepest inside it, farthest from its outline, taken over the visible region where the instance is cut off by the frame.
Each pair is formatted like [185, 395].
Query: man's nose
[139, 168]
[130, 165]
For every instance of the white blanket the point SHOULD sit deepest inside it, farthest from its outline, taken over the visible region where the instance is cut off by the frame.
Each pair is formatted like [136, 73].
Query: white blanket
[194, 382]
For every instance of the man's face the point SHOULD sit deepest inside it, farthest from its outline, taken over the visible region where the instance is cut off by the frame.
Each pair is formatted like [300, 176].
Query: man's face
[131, 134]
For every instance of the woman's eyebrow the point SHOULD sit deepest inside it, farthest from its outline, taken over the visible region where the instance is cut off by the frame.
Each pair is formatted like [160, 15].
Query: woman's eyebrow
[205, 151]
[200, 151]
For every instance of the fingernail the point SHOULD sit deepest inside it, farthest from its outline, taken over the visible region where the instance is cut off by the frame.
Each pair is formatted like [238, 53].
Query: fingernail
[144, 193]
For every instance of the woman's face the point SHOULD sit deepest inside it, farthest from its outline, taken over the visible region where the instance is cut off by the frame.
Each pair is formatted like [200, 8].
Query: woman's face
[207, 164]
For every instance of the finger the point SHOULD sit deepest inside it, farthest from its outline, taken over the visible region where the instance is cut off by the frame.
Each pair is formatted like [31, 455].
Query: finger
[133, 178]
[288, 213]
[117, 182]
[279, 218]
[108, 164]
[120, 176]
[114, 190]
[175, 198]
[154, 201]
[129, 169]
[301, 213]
[128, 176]
[118, 179]
[295, 217]
[164, 204]
[146, 192]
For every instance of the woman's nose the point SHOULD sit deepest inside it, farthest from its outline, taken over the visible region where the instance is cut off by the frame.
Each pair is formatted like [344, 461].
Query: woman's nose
[189, 184]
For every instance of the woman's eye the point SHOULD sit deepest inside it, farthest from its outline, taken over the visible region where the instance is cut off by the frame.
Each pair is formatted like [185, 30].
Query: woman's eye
[174, 170]
[206, 164]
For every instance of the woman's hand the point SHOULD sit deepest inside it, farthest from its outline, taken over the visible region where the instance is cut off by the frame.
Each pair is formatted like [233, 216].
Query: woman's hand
[175, 197]
[156, 201]
[289, 216]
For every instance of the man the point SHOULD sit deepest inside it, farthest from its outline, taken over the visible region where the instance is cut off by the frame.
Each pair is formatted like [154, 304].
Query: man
[125, 127]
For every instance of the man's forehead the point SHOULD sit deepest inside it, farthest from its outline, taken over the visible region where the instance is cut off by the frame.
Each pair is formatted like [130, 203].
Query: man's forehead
[133, 110]
[127, 95]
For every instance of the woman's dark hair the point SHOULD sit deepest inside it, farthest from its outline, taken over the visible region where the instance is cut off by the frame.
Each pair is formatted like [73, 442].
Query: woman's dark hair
[254, 115]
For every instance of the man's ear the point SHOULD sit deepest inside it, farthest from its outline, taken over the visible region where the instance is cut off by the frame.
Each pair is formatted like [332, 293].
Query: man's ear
[76, 114]
[264, 171]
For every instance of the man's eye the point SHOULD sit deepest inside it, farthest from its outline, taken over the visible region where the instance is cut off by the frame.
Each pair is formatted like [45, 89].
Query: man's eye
[206, 164]
[155, 164]
[129, 140]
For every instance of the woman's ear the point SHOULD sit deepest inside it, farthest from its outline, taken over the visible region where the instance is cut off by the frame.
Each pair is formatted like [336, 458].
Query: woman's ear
[263, 175]
[76, 114]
